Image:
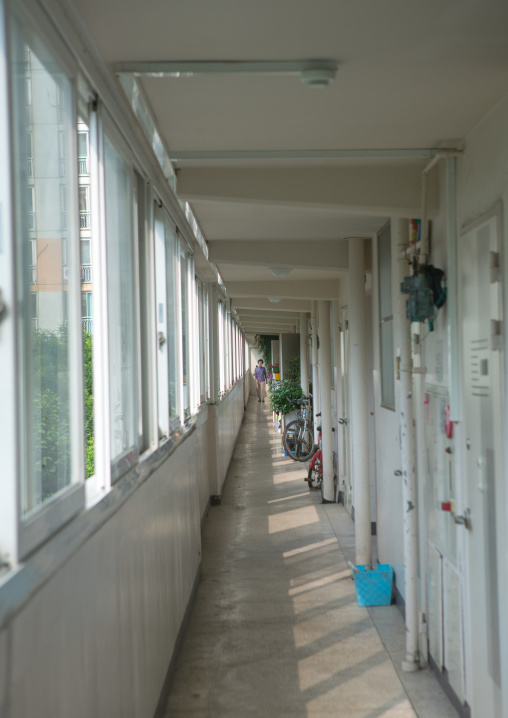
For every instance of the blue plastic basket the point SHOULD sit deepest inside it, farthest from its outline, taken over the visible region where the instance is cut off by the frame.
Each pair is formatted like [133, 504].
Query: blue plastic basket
[374, 584]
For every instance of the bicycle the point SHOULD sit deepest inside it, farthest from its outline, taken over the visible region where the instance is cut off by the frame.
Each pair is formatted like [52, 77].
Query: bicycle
[298, 437]
[315, 472]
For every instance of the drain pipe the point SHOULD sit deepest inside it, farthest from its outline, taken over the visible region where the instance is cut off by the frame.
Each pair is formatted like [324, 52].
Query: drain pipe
[404, 373]
[326, 401]
[304, 353]
[315, 365]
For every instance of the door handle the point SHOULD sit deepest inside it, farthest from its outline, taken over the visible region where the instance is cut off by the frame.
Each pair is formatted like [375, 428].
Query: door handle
[464, 520]
[343, 421]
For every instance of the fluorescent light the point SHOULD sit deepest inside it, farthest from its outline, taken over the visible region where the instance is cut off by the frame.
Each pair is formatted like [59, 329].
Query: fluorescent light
[279, 271]
[274, 300]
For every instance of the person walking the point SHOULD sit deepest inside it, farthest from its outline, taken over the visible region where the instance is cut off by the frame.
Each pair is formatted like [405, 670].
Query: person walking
[260, 376]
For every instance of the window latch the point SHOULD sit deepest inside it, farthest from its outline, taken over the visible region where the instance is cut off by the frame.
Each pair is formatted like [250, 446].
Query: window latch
[3, 307]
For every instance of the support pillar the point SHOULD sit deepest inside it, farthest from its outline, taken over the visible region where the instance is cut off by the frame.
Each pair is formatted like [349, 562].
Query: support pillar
[315, 364]
[304, 348]
[326, 402]
[359, 412]
[403, 377]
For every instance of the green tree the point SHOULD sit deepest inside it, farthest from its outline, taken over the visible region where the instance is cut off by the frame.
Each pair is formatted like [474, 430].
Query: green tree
[89, 417]
[264, 344]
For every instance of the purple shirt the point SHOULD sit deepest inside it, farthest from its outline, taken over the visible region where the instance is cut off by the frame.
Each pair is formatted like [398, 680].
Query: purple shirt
[260, 373]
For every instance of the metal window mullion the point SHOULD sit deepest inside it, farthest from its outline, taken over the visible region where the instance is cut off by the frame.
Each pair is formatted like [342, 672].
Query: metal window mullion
[101, 482]
[178, 330]
[162, 343]
[9, 419]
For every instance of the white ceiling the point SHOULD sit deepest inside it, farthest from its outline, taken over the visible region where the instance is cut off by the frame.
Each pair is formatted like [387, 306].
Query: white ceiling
[412, 74]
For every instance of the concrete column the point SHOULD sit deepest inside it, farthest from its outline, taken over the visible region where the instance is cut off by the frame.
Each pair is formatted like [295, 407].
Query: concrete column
[304, 348]
[325, 389]
[359, 412]
[403, 375]
[315, 365]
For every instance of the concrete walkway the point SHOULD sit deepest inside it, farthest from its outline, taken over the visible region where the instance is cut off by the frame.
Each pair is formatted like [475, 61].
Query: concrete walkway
[276, 630]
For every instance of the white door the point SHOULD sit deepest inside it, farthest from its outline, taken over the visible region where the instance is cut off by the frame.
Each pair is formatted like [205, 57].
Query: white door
[480, 307]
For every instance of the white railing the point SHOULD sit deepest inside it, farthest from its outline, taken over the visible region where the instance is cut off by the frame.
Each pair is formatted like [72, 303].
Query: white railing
[30, 167]
[86, 273]
[83, 165]
[84, 220]
[87, 324]
[33, 275]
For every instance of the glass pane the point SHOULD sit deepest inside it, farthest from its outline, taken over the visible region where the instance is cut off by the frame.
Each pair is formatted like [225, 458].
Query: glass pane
[85, 253]
[185, 330]
[82, 145]
[201, 355]
[121, 311]
[42, 109]
[387, 365]
[86, 297]
[171, 316]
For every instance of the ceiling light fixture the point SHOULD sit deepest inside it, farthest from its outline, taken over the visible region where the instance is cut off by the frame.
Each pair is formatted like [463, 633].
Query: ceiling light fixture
[279, 271]
[321, 77]
[274, 300]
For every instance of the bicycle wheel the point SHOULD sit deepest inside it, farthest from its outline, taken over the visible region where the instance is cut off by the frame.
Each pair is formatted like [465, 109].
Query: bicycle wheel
[315, 476]
[298, 441]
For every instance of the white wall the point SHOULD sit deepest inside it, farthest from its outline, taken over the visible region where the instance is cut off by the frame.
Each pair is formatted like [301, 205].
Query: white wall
[231, 411]
[96, 633]
[289, 346]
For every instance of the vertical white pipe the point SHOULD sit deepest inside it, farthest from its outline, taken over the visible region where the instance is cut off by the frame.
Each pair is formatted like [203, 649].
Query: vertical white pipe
[454, 357]
[419, 372]
[359, 412]
[404, 400]
[326, 401]
[315, 366]
[304, 347]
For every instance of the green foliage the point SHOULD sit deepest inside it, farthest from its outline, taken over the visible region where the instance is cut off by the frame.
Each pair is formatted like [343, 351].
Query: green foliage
[50, 410]
[284, 396]
[88, 386]
[293, 369]
[51, 433]
[264, 344]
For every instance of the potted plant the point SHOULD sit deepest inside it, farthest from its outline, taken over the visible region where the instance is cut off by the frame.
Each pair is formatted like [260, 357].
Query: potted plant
[274, 371]
[283, 397]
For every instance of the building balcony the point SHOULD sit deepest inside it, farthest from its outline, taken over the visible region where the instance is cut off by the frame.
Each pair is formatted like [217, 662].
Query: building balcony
[87, 324]
[84, 220]
[83, 165]
[86, 274]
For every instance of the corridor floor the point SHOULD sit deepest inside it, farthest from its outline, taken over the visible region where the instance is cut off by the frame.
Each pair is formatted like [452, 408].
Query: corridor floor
[276, 630]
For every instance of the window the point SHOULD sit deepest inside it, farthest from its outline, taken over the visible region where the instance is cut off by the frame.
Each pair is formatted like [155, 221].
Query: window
[51, 424]
[83, 152]
[84, 207]
[121, 311]
[86, 311]
[86, 262]
[171, 322]
[184, 298]
[202, 324]
[221, 352]
[29, 154]
[386, 319]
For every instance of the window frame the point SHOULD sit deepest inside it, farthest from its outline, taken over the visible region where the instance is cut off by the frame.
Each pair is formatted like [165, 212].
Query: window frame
[109, 129]
[30, 531]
